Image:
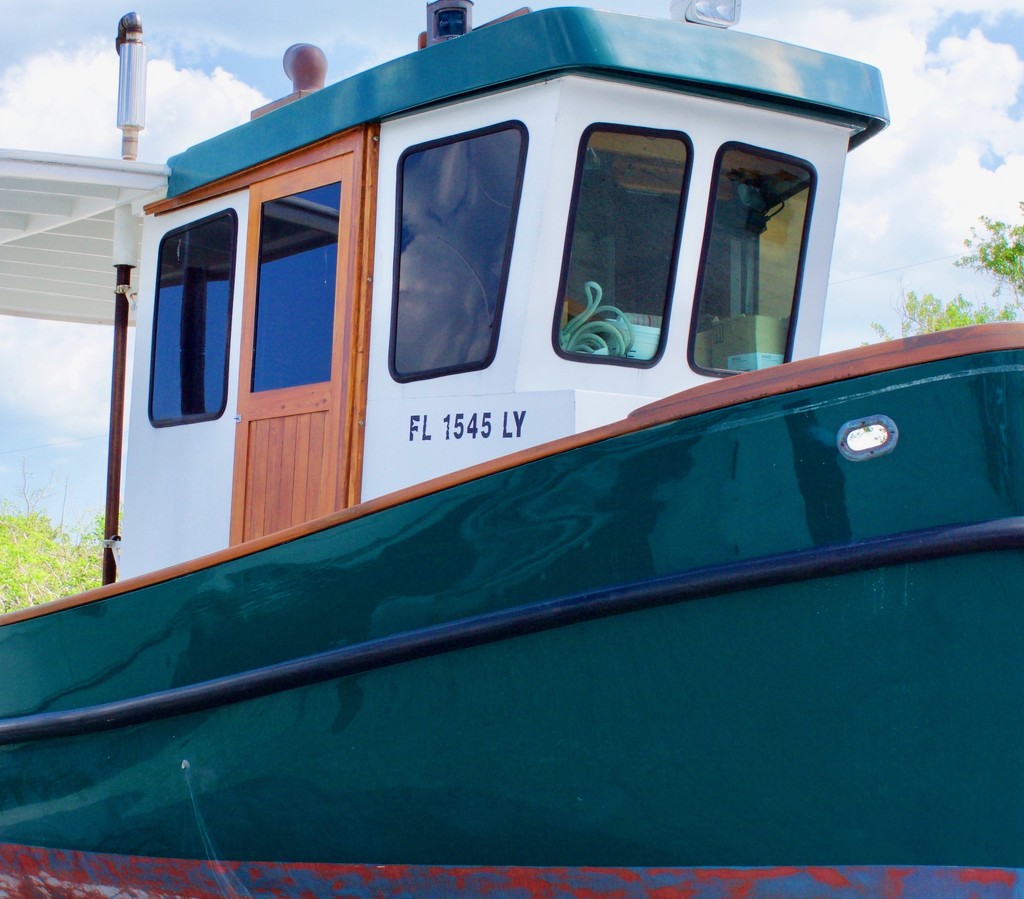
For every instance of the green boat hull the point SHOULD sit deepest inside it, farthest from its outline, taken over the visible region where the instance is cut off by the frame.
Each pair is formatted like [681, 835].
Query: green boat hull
[716, 641]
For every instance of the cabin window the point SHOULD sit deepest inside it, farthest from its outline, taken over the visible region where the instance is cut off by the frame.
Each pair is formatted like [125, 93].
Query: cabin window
[623, 238]
[457, 206]
[753, 253]
[192, 322]
[298, 267]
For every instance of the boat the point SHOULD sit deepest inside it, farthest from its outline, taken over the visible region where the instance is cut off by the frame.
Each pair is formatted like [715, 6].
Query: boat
[491, 522]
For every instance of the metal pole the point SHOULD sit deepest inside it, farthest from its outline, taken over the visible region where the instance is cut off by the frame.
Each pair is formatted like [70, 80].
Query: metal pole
[117, 382]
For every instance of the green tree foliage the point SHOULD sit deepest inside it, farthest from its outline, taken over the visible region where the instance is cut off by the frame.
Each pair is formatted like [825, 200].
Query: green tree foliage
[997, 250]
[923, 315]
[40, 561]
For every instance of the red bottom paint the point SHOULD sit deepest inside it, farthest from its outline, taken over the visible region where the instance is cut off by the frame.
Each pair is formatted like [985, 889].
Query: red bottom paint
[28, 872]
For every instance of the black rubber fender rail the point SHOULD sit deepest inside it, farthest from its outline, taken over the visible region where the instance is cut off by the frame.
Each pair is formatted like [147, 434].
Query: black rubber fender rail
[802, 565]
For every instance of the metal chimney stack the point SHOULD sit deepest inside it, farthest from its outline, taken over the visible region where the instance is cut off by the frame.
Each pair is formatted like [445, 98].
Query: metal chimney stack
[131, 87]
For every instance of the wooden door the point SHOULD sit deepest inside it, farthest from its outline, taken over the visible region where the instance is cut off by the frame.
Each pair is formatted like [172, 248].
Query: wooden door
[301, 381]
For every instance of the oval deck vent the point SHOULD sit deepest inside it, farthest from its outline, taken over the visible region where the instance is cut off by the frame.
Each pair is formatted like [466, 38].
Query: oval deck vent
[867, 438]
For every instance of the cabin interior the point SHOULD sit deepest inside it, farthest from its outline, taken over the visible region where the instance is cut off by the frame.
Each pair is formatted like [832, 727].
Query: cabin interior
[406, 291]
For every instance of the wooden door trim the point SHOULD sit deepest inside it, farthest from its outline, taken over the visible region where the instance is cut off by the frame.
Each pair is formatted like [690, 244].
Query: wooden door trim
[363, 252]
[313, 154]
[290, 400]
[345, 393]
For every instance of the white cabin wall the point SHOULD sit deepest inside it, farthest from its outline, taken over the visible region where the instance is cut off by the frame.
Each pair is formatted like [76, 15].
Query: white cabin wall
[829, 163]
[586, 102]
[709, 124]
[178, 479]
[395, 454]
[405, 443]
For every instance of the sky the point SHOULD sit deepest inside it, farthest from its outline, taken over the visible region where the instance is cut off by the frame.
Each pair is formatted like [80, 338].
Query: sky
[954, 80]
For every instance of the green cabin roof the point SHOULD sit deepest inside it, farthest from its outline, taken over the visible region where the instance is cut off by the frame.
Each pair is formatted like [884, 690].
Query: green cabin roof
[659, 52]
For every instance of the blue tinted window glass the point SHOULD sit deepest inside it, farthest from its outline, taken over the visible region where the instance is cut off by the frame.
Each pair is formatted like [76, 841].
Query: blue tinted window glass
[192, 322]
[457, 212]
[298, 266]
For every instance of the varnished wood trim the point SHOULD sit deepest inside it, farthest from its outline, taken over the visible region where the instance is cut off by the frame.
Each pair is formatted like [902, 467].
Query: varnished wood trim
[289, 401]
[242, 516]
[323, 471]
[842, 366]
[743, 388]
[359, 353]
[321, 151]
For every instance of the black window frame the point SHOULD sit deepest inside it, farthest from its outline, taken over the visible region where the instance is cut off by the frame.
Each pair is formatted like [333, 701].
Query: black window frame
[232, 216]
[702, 269]
[570, 231]
[488, 359]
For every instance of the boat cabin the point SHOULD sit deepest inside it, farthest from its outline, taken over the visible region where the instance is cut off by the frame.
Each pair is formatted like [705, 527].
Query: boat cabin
[498, 240]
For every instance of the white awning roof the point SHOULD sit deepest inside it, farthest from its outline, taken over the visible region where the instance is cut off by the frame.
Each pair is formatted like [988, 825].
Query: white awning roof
[57, 231]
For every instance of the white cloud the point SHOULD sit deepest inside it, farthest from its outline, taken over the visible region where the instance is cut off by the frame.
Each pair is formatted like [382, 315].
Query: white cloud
[186, 106]
[60, 101]
[55, 413]
[954, 152]
[913, 193]
[66, 102]
[69, 397]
